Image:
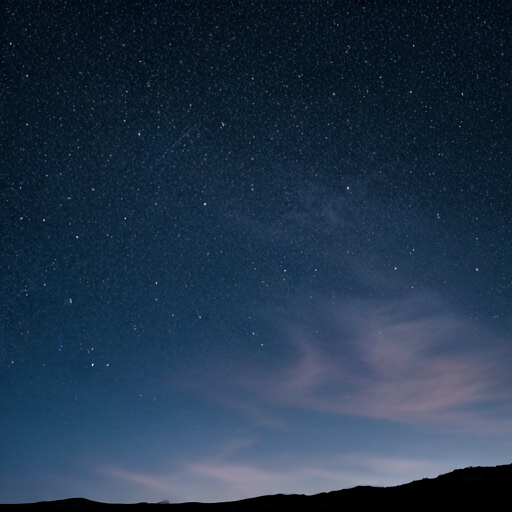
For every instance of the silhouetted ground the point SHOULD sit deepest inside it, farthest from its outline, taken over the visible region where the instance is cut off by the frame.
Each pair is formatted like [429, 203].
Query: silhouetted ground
[478, 488]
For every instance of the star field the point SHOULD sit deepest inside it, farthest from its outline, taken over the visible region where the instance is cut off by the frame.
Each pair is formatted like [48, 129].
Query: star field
[252, 248]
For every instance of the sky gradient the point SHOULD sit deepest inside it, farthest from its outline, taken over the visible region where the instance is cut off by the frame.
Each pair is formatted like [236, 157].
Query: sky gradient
[253, 248]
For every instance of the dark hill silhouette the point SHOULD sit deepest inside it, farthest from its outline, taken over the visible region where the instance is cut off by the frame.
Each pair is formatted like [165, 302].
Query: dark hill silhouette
[472, 488]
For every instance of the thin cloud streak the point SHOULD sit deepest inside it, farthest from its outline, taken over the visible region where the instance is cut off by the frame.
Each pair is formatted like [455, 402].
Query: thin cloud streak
[403, 362]
[238, 473]
[157, 483]
[206, 480]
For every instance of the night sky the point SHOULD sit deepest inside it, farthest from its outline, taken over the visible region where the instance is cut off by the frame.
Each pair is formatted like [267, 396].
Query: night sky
[252, 248]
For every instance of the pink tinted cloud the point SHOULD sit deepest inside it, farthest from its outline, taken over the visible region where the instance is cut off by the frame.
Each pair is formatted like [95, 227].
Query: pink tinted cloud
[236, 472]
[156, 483]
[400, 363]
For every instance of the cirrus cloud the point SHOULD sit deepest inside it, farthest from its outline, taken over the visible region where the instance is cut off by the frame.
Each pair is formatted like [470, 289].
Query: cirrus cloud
[405, 361]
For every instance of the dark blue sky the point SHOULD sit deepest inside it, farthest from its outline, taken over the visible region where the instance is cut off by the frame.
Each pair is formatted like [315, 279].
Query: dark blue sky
[252, 248]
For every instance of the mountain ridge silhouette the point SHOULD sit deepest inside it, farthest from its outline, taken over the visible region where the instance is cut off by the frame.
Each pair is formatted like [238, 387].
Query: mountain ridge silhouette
[471, 488]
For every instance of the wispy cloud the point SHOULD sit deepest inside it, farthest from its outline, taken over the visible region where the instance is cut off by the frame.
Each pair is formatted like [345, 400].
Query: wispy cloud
[239, 473]
[159, 483]
[403, 361]
[207, 480]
